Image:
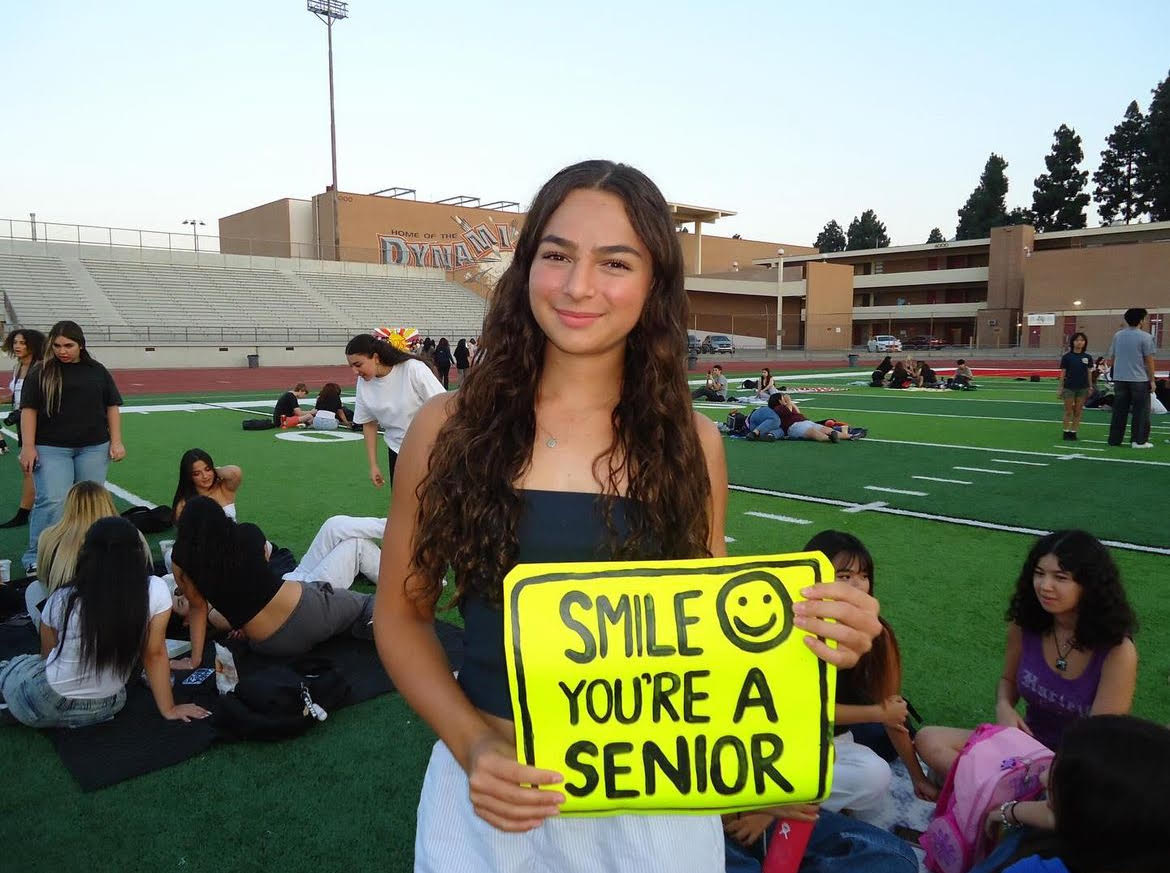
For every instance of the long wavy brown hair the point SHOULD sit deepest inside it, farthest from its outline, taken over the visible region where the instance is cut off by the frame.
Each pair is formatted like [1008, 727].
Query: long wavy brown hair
[469, 508]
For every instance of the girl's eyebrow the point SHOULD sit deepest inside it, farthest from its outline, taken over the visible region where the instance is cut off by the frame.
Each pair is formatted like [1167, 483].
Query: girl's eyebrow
[617, 249]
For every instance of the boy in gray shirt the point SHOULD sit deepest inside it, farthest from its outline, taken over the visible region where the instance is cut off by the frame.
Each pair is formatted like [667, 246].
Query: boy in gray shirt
[1131, 354]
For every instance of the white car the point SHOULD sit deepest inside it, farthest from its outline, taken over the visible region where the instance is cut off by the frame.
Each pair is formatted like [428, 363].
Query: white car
[884, 343]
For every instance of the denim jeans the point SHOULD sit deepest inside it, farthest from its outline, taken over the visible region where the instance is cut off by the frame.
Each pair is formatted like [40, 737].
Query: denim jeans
[766, 422]
[1129, 396]
[32, 701]
[58, 469]
[839, 844]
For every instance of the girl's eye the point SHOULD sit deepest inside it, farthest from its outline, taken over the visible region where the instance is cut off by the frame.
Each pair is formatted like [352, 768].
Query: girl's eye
[619, 265]
[553, 256]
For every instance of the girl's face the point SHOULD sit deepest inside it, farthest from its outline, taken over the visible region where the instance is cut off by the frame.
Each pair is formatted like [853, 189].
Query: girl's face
[202, 475]
[19, 347]
[849, 571]
[1056, 589]
[363, 366]
[765, 373]
[591, 275]
[67, 351]
[1079, 344]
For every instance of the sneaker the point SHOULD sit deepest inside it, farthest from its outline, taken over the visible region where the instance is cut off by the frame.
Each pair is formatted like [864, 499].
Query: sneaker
[1072, 435]
[751, 435]
[1141, 445]
[771, 437]
[859, 434]
[1067, 435]
[834, 436]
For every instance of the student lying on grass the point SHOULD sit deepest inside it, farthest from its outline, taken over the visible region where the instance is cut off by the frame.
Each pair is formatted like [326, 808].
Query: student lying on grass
[93, 633]
[223, 565]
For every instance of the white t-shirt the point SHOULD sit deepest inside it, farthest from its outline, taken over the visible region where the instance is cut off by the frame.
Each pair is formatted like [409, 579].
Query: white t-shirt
[393, 399]
[64, 670]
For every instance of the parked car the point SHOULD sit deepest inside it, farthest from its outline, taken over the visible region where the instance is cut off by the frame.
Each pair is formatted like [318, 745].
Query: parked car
[924, 342]
[693, 344]
[884, 343]
[717, 343]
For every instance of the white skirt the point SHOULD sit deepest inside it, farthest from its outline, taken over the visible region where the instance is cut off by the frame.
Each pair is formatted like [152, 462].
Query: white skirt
[451, 838]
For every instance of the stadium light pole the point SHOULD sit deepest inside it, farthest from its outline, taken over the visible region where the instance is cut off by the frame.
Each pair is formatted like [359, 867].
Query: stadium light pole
[329, 11]
[195, 225]
[779, 300]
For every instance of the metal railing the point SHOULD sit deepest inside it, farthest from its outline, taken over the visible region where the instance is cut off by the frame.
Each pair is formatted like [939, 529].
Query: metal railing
[145, 335]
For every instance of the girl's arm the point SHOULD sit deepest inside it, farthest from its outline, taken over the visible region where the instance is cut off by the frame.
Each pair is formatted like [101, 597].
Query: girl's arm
[1060, 385]
[904, 746]
[28, 429]
[114, 419]
[370, 435]
[48, 640]
[501, 789]
[1006, 692]
[1118, 680]
[158, 671]
[196, 619]
[711, 441]
[231, 477]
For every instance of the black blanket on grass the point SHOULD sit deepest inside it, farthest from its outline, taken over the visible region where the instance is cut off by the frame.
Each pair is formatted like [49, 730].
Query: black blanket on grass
[138, 740]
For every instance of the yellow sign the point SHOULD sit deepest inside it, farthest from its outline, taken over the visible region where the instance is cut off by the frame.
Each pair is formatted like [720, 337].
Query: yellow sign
[670, 686]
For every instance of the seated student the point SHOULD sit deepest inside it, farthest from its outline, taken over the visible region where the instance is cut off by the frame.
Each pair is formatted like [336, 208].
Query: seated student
[963, 377]
[764, 422]
[765, 388]
[223, 565]
[329, 402]
[199, 477]
[59, 545]
[837, 844]
[797, 427]
[1069, 651]
[1104, 812]
[900, 376]
[867, 694]
[925, 376]
[715, 389]
[288, 412]
[93, 633]
[343, 548]
[878, 378]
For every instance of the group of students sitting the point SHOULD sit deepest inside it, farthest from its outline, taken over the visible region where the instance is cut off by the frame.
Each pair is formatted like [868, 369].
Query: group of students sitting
[919, 374]
[781, 418]
[109, 604]
[328, 413]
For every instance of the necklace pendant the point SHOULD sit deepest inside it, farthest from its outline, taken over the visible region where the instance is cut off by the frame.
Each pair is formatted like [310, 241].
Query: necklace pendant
[551, 442]
[1061, 664]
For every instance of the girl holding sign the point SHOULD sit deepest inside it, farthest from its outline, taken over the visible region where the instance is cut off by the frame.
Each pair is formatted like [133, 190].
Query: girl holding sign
[563, 445]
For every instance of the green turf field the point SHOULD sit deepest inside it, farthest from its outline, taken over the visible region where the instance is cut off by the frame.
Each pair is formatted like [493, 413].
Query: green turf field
[343, 796]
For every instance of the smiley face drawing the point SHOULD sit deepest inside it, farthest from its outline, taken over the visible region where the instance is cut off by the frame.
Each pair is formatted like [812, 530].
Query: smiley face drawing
[755, 611]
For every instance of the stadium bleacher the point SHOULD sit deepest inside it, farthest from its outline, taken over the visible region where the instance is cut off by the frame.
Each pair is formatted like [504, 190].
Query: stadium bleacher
[40, 289]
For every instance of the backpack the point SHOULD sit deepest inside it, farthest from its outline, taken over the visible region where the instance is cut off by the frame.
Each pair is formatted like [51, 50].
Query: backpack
[997, 764]
[150, 521]
[258, 424]
[737, 424]
[282, 700]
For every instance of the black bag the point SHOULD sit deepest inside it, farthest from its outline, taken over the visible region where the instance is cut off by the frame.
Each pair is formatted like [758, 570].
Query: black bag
[749, 383]
[150, 521]
[257, 424]
[283, 700]
[1033, 378]
[737, 424]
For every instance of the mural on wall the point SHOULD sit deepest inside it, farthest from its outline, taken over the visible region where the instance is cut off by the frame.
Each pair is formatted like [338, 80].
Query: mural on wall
[477, 254]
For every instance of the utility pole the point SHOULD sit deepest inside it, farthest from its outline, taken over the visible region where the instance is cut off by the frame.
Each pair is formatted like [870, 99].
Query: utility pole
[329, 11]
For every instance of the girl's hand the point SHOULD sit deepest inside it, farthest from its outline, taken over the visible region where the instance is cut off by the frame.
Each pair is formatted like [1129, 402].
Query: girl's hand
[840, 613]
[895, 712]
[376, 477]
[28, 458]
[748, 827]
[186, 712]
[182, 664]
[924, 789]
[117, 451]
[503, 791]
[1008, 716]
[797, 811]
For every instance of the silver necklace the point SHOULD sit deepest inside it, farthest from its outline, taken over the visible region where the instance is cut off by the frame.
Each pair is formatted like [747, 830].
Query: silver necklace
[1062, 657]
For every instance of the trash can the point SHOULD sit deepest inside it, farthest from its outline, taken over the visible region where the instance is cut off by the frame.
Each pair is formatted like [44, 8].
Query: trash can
[852, 360]
[253, 362]
[692, 361]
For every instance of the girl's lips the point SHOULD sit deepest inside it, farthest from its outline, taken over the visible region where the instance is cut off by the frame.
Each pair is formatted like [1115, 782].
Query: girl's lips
[577, 319]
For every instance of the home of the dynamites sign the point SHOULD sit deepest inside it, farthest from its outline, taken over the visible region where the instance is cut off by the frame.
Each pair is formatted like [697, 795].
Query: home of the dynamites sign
[485, 249]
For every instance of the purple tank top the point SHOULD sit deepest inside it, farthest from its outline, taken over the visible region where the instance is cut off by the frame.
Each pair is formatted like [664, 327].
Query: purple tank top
[1054, 702]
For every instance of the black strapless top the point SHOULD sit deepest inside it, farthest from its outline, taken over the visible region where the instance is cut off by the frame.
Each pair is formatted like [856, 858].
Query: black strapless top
[555, 526]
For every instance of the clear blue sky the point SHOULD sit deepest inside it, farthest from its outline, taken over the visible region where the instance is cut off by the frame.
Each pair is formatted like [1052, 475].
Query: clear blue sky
[140, 114]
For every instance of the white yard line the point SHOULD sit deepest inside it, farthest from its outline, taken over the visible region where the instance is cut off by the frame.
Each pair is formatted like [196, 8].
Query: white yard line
[1021, 463]
[849, 506]
[1082, 448]
[788, 519]
[985, 470]
[1070, 456]
[896, 491]
[937, 479]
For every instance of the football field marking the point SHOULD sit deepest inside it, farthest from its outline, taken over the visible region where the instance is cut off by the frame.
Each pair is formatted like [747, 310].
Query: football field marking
[788, 519]
[1022, 463]
[948, 481]
[896, 491]
[985, 470]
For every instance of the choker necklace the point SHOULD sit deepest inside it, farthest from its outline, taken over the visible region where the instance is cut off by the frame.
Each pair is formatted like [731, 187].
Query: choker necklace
[1062, 657]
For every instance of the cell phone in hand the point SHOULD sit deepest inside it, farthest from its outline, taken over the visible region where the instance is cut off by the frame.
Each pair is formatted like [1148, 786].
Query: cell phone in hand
[198, 677]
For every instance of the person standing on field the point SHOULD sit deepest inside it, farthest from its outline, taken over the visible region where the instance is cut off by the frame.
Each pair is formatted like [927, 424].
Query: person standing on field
[1131, 355]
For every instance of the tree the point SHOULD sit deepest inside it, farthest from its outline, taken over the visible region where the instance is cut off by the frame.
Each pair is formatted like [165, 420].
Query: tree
[1059, 201]
[1154, 170]
[936, 236]
[1019, 215]
[1120, 193]
[831, 238]
[986, 207]
[866, 232]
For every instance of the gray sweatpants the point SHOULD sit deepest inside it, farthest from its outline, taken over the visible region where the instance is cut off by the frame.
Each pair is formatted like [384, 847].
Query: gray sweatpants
[321, 613]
